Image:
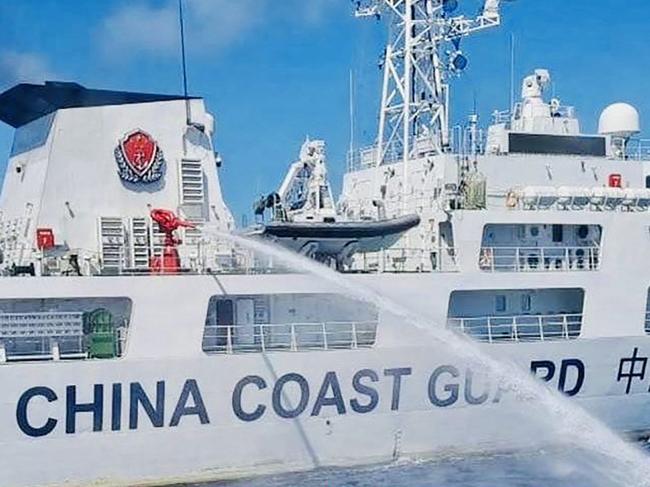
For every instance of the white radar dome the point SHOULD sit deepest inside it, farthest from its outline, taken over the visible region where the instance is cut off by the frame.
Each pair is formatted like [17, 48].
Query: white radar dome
[619, 119]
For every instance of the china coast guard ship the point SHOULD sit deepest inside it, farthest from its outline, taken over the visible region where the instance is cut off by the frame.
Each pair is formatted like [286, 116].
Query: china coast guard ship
[137, 348]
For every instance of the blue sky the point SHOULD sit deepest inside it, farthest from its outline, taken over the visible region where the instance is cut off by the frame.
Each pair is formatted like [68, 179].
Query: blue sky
[274, 71]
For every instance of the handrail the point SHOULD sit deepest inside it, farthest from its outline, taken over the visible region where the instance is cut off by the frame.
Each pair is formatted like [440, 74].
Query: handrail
[539, 259]
[397, 260]
[570, 198]
[288, 337]
[49, 335]
[519, 328]
[638, 149]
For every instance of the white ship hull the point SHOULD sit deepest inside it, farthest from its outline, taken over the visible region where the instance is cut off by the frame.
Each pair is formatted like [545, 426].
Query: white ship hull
[139, 344]
[218, 430]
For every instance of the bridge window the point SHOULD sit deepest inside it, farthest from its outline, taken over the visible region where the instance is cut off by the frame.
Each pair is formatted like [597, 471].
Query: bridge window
[63, 329]
[287, 322]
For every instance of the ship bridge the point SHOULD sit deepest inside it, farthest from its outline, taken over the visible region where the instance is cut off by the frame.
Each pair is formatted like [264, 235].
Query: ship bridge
[535, 126]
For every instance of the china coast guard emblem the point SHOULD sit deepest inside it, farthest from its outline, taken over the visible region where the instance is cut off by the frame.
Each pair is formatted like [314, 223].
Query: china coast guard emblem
[139, 159]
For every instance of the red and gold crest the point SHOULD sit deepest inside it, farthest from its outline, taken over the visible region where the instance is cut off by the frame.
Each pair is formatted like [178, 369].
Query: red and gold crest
[139, 158]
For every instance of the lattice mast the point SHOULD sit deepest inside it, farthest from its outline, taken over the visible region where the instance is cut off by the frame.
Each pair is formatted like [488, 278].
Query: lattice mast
[422, 52]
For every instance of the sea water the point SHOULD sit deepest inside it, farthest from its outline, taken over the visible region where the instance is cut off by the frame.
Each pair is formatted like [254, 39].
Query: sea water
[598, 457]
[542, 468]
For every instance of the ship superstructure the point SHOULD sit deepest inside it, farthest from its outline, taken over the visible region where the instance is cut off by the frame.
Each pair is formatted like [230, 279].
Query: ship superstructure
[75, 149]
[140, 346]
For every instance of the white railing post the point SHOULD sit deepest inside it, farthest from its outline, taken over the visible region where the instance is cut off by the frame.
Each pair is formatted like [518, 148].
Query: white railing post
[517, 259]
[355, 343]
[294, 342]
[541, 328]
[55, 350]
[489, 329]
[567, 259]
[565, 327]
[229, 339]
[263, 338]
[324, 328]
[514, 328]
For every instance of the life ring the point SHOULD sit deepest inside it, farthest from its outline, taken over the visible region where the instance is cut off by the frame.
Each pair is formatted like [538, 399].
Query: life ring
[511, 199]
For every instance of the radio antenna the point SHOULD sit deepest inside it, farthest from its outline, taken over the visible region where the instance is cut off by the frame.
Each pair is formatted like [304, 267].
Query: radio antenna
[512, 71]
[351, 112]
[183, 61]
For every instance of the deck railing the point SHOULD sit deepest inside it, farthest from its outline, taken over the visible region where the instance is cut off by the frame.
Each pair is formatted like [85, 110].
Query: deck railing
[289, 337]
[522, 328]
[48, 335]
[539, 259]
[444, 259]
[638, 149]
[41, 335]
[570, 198]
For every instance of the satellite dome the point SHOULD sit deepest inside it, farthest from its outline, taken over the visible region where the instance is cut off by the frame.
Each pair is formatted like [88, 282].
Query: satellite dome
[619, 119]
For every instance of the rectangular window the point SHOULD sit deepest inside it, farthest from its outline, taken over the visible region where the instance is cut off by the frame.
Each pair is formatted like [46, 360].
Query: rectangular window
[500, 303]
[63, 329]
[558, 233]
[287, 322]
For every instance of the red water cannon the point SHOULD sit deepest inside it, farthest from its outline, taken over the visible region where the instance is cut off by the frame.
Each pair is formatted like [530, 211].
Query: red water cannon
[168, 222]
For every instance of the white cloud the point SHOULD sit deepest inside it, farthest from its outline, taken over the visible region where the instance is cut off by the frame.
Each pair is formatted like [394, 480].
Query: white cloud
[210, 25]
[17, 67]
[139, 29]
[315, 10]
